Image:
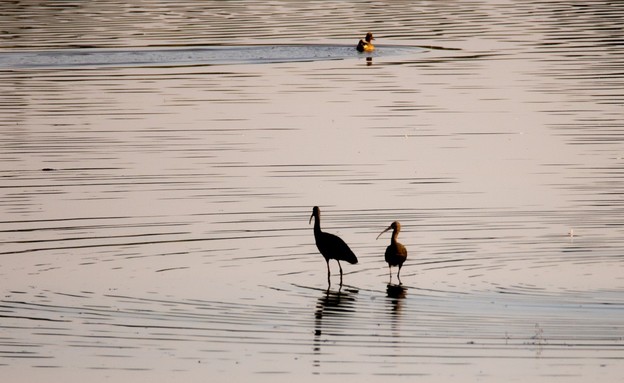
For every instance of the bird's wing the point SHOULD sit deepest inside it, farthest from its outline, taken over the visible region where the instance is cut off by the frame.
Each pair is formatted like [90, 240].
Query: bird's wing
[338, 249]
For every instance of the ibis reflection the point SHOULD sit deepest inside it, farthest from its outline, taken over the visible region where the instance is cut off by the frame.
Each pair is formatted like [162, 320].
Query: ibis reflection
[331, 317]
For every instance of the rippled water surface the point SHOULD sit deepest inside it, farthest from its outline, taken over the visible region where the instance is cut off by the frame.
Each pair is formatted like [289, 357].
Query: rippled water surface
[160, 161]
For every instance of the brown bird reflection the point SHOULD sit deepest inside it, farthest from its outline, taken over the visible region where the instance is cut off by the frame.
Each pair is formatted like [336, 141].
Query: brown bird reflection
[396, 291]
[395, 299]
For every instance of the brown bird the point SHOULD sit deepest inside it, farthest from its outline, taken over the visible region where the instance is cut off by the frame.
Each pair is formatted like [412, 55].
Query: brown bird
[396, 253]
[330, 246]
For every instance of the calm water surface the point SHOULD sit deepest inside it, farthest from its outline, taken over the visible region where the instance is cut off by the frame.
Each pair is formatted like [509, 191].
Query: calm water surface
[160, 161]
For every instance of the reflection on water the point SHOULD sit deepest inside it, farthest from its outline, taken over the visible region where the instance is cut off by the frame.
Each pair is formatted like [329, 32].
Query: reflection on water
[334, 304]
[331, 318]
[155, 201]
[396, 294]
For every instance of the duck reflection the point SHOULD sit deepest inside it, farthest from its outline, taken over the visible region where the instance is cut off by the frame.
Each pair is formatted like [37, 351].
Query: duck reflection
[333, 308]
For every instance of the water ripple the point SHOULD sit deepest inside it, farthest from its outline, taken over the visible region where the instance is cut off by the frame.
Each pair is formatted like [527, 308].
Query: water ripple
[155, 202]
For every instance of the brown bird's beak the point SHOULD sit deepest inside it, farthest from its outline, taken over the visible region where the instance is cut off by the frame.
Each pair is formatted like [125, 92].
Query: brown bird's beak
[311, 218]
[388, 228]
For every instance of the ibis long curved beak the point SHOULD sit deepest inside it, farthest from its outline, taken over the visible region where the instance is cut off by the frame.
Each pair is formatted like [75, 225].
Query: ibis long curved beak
[311, 218]
[388, 228]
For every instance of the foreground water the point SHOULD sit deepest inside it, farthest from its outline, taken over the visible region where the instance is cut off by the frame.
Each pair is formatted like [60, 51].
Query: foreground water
[160, 162]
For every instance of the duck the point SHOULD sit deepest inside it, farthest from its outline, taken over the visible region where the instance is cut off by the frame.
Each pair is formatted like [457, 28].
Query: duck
[365, 44]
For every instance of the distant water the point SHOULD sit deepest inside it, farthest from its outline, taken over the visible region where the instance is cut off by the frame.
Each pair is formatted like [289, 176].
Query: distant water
[216, 55]
[160, 161]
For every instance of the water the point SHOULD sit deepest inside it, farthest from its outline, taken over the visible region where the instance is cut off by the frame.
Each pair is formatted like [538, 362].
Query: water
[160, 162]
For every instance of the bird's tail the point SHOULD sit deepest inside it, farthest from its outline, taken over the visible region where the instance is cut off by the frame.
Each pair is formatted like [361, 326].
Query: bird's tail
[352, 259]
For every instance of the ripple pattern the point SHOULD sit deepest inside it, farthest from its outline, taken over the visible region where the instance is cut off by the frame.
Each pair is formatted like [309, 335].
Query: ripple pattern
[155, 201]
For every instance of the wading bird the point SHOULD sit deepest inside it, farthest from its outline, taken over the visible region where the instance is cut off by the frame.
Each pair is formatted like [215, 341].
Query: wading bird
[330, 246]
[366, 44]
[396, 253]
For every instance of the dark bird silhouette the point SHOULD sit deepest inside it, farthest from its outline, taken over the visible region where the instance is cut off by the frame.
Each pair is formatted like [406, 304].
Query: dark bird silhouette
[366, 44]
[396, 253]
[330, 246]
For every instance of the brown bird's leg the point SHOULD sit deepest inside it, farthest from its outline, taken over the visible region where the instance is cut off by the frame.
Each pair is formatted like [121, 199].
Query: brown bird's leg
[398, 275]
[390, 272]
[340, 271]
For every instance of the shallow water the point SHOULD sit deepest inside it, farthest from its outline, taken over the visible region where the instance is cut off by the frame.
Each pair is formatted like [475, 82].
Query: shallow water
[207, 55]
[159, 170]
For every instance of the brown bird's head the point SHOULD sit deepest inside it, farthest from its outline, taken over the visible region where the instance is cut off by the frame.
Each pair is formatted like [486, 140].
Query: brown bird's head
[395, 226]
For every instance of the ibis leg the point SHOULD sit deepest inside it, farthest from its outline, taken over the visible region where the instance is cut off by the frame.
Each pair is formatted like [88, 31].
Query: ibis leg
[328, 273]
[340, 267]
[399, 275]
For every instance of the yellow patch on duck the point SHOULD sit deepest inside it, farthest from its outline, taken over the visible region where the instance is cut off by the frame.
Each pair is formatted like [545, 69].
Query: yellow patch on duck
[366, 45]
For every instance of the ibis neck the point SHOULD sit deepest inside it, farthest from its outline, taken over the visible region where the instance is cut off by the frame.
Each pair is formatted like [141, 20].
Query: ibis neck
[317, 223]
[395, 235]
